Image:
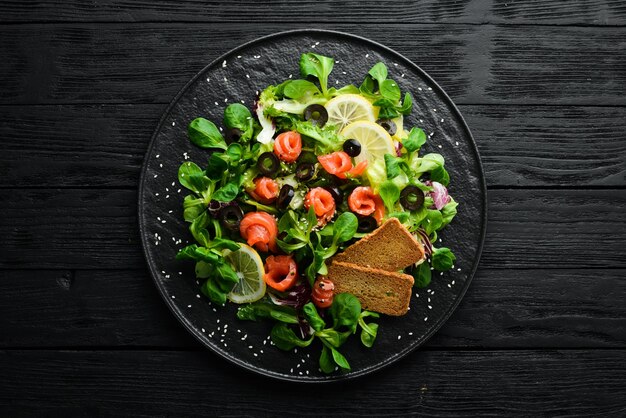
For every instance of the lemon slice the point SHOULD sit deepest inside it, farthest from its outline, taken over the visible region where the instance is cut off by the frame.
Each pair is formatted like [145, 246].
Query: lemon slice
[374, 139]
[348, 108]
[249, 268]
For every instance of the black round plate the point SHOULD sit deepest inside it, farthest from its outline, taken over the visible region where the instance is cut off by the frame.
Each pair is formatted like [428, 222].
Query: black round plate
[236, 77]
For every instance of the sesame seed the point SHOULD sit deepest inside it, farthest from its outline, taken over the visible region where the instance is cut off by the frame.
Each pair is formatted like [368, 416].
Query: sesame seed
[217, 104]
[189, 306]
[430, 88]
[238, 56]
[170, 211]
[395, 64]
[449, 286]
[156, 175]
[250, 347]
[167, 196]
[247, 75]
[336, 81]
[290, 75]
[255, 355]
[163, 221]
[173, 123]
[225, 79]
[312, 46]
[224, 64]
[410, 333]
[257, 56]
[157, 156]
[203, 330]
[317, 43]
[242, 102]
[291, 370]
[198, 296]
[459, 269]
[173, 297]
[439, 146]
[156, 194]
[456, 143]
[208, 79]
[441, 274]
[419, 88]
[441, 119]
[428, 300]
[402, 75]
[399, 336]
[453, 282]
[430, 307]
[367, 55]
[225, 101]
[425, 319]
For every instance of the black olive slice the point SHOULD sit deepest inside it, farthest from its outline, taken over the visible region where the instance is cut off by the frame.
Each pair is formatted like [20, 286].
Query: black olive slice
[316, 114]
[231, 216]
[233, 135]
[412, 198]
[268, 164]
[352, 147]
[285, 195]
[305, 171]
[388, 125]
[367, 224]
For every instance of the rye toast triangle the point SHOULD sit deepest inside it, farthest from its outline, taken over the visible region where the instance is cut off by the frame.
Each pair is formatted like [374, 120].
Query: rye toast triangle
[391, 247]
[380, 291]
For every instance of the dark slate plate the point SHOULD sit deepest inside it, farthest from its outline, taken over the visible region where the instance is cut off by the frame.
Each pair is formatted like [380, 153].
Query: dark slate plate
[236, 76]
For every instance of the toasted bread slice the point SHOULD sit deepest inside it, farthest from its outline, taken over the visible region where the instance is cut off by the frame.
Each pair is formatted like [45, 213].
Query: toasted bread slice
[378, 290]
[390, 247]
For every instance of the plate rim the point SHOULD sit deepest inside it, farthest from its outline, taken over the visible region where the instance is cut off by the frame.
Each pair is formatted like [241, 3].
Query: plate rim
[239, 362]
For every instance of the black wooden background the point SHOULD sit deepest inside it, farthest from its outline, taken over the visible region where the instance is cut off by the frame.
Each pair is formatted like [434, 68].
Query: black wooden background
[542, 329]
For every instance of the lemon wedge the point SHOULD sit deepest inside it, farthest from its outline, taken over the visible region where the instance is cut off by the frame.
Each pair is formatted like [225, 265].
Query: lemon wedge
[374, 139]
[348, 108]
[249, 267]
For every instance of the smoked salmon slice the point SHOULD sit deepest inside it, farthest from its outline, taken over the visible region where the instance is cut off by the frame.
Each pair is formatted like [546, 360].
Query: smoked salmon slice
[365, 202]
[336, 163]
[288, 146]
[281, 272]
[322, 202]
[265, 190]
[260, 230]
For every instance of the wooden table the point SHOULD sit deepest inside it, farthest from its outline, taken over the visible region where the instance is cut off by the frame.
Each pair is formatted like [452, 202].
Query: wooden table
[542, 329]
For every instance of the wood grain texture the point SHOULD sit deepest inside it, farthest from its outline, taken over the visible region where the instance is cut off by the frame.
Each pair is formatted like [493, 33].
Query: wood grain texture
[481, 64]
[589, 12]
[441, 383]
[95, 229]
[104, 145]
[502, 309]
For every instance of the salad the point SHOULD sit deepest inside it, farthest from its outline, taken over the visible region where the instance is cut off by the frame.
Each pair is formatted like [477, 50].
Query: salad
[289, 184]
